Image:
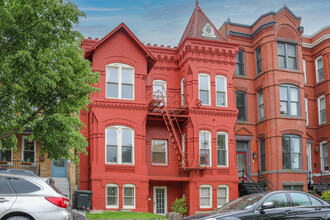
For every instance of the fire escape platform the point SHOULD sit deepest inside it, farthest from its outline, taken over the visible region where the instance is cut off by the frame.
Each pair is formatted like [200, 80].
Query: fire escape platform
[169, 178]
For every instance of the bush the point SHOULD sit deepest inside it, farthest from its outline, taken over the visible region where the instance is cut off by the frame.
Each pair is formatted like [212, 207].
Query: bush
[326, 196]
[180, 206]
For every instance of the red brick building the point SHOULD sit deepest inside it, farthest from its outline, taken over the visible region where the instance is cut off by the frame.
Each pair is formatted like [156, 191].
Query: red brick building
[174, 122]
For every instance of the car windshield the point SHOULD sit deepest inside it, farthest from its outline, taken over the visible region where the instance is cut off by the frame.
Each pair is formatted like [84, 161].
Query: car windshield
[244, 202]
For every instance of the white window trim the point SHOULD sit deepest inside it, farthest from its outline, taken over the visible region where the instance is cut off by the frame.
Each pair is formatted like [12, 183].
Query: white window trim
[225, 86]
[208, 85]
[160, 83]
[210, 196]
[319, 109]
[129, 186]
[120, 66]
[227, 194]
[166, 153]
[183, 95]
[304, 69]
[226, 145]
[119, 130]
[23, 148]
[106, 196]
[183, 149]
[321, 156]
[316, 69]
[209, 147]
[306, 111]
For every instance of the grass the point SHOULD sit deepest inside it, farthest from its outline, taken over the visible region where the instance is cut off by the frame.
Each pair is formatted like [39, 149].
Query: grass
[123, 215]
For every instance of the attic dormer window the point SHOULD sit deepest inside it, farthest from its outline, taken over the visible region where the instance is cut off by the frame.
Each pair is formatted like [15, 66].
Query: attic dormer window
[208, 31]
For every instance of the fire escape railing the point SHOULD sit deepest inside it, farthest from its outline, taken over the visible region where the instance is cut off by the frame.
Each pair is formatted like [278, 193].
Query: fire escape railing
[268, 184]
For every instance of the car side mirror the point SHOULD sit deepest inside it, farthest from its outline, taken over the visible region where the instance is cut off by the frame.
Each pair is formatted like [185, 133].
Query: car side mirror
[268, 205]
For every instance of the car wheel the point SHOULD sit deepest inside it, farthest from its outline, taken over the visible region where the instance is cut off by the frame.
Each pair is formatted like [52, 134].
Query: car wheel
[18, 218]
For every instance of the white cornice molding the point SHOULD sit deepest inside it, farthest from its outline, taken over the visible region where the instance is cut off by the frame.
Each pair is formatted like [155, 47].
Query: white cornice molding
[325, 37]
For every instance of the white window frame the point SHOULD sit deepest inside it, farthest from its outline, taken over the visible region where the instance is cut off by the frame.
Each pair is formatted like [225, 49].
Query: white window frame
[23, 148]
[166, 153]
[183, 98]
[119, 129]
[209, 164]
[106, 196]
[210, 196]
[227, 194]
[304, 69]
[209, 87]
[317, 68]
[134, 196]
[226, 148]
[319, 109]
[164, 85]
[306, 111]
[321, 156]
[183, 149]
[120, 66]
[216, 90]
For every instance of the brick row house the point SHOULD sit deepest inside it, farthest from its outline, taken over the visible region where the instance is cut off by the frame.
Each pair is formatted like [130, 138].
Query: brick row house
[225, 106]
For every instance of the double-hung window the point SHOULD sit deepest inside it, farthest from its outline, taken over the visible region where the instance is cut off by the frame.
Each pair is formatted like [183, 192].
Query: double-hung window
[258, 60]
[159, 90]
[287, 55]
[222, 149]
[322, 110]
[291, 152]
[289, 100]
[204, 88]
[324, 156]
[306, 110]
[221, 88]
[222, 195]
[240, 65]
[319, 69]
[159, 152]
[182, 92]
[28, 150]
[6, 155]
[119, 145]
[260, 104]
[119, 81]
[262, 155]
[205, 148]
[205, 196]
[129, 196]
[112, 191]
[241, 106]
[304, 69]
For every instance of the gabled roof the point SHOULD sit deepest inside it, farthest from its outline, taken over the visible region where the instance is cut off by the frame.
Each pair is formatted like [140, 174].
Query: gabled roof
[196, 24]
[150, 58]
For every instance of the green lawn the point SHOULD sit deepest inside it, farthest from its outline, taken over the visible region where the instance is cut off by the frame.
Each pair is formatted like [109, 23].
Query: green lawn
[124, 215]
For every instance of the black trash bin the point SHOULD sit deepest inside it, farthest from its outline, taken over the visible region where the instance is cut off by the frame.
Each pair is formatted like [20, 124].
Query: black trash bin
[83, 200]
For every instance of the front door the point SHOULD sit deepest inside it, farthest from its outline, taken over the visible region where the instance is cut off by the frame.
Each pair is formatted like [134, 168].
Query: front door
[160, 200]
[59, 168]
[241, 163]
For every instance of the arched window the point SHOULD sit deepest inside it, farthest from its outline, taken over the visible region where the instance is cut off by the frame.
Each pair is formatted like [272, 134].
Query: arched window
[204, 88]
[222, 149]
[221, 90]
[119, 81]
[119, 145]
[222, 195]
[112, 192]
[205, 196]
[205, 148]
[129, 196]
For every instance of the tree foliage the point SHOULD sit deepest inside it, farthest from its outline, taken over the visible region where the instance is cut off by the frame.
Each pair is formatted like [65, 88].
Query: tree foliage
[180, 206]
[44, 79]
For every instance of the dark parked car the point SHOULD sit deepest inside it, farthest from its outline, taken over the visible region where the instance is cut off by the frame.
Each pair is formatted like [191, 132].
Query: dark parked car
[271, 205]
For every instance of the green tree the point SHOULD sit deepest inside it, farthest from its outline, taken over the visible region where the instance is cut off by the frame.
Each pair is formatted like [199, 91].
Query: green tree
[180, 206]
[44, 79]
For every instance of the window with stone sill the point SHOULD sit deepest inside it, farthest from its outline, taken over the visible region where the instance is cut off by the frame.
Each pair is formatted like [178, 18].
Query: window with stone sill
[221, 90]
[319, 69]
[287, 55]
[205, 148]
[289, 100]
[240, 63]
[324, 156]
[322, 110]
[260, 104]
[241, 106]
[258, 60]
[291, 152]
[204, 88]
[205, 196]
[159, 152]
[112, 191]
[222, 195]
[129, 196]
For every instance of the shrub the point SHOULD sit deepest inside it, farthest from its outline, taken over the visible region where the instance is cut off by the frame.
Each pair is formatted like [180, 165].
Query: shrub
[180, 206]
[326, 196]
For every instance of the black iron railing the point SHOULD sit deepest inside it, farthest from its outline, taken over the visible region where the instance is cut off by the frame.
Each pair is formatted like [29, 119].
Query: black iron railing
[268, 184]
[313, 179]
[245, 177]
[21, 165]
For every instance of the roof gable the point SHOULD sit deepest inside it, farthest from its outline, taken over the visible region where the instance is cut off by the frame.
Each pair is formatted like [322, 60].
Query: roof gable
[200, 26]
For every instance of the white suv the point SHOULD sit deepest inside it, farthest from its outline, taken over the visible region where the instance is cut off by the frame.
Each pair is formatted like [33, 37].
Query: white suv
[31, 198]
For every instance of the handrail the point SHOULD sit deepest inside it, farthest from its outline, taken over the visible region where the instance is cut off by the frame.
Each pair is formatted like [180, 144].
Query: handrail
[324, 185]
[255, 186]
[33, 166]
[325, 178]
[262, 176]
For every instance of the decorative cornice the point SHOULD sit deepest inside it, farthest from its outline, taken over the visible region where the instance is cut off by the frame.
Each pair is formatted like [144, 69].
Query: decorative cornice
[214, 111]
[119, 105]
[318, 41]
[292, 131]
[261, 27]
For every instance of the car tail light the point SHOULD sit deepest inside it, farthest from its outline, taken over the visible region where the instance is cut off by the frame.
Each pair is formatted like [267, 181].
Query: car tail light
[58, 201]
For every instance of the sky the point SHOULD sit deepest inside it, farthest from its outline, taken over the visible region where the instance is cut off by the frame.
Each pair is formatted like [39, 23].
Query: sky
[163, 22]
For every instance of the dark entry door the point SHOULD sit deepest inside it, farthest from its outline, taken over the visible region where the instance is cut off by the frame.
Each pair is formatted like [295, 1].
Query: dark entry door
[241, 163]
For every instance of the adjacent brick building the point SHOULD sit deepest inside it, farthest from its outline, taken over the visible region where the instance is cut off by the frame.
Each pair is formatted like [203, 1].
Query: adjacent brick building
[184, 121]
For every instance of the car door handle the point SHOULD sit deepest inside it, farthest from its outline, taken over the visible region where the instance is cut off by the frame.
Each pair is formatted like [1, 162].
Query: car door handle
[2, 200]
[287, 212]
[318, 208]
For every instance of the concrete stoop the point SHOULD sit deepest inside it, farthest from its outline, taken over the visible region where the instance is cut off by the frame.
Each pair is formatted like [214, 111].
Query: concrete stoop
[62, 184]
